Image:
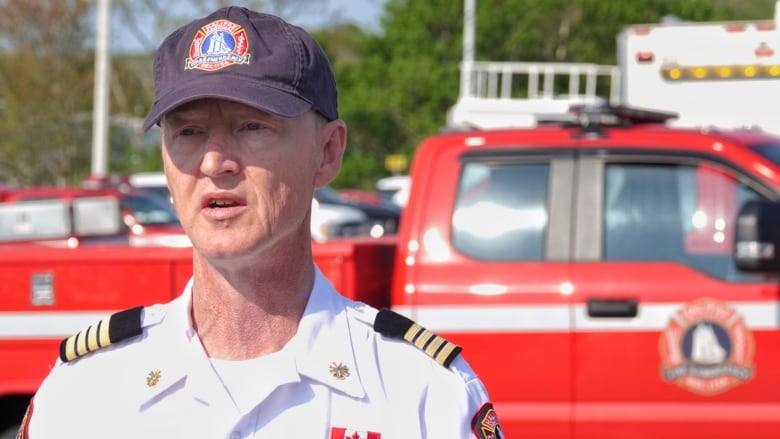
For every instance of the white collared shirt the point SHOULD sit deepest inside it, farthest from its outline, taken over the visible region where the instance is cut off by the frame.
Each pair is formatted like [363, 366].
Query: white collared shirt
[336, 377]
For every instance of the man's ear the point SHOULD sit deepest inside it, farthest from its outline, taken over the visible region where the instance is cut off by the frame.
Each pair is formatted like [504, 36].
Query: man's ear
[333, 142]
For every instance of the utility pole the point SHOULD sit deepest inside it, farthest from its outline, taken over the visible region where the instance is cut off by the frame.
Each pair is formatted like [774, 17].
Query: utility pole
[101, 99]
[467, 63]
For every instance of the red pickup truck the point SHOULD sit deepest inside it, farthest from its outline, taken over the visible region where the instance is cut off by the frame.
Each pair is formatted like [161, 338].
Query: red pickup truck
[607, 276]
[590, 270]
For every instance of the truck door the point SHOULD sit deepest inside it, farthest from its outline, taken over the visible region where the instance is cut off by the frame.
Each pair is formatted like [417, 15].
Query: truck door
[670, 339]
[492, 275]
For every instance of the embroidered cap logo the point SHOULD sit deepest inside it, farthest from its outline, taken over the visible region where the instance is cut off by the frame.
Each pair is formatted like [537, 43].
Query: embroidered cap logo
[217, 45]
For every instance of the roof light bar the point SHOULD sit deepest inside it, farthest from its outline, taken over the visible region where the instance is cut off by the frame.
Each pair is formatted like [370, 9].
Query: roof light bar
[677, 73]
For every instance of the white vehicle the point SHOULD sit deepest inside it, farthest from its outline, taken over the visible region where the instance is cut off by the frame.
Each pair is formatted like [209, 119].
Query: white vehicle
[151, 181]
[712, 74]
[395, 189]
[330, 221]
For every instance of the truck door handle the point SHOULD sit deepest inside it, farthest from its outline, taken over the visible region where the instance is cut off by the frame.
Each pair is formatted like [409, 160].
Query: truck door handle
[612, 307]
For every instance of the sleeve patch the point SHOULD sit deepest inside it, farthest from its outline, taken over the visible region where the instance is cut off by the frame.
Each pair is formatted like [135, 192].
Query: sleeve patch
[392, 324]
[117, 327]
[485, 424]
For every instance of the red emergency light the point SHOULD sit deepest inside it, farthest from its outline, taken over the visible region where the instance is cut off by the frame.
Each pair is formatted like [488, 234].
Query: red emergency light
[644, 57]
[641, 30]
[763, 50]
[736, 27]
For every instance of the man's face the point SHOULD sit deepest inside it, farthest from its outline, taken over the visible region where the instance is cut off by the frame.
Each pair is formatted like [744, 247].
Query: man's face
[242, 179]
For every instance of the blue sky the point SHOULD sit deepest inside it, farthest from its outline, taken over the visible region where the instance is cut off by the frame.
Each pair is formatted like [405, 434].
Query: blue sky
[365, 13]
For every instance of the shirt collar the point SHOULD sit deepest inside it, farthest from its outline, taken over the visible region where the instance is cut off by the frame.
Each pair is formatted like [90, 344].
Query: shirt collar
[322, 347]
[174, 352]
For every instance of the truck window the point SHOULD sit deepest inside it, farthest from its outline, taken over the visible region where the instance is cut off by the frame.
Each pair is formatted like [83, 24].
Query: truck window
[501, 211]
[672, 212]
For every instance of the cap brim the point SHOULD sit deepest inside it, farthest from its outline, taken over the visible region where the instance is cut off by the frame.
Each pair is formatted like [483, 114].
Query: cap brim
[243, 91]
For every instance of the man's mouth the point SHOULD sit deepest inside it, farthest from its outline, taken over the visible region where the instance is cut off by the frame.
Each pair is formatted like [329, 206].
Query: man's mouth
[215, 204]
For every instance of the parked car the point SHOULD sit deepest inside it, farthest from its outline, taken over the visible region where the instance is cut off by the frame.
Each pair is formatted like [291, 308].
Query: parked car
[361, 196]
[330, 221]
[383, 219]
[395, 189]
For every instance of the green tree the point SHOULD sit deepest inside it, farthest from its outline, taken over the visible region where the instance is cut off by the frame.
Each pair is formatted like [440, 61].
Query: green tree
[399, 89]
[45, 84]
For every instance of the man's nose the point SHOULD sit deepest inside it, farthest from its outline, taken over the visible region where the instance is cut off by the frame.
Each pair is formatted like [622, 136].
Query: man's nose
[219, 156]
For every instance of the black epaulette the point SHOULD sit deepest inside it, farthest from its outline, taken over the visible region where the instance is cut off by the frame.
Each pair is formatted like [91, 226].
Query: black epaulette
[395, 325]
[113, 329]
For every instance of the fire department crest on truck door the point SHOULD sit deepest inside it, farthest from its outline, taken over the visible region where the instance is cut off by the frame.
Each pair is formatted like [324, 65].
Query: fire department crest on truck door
[707, 348]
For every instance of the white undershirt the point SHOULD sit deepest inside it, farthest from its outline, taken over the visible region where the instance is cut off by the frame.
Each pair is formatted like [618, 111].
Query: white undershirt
[251, 381]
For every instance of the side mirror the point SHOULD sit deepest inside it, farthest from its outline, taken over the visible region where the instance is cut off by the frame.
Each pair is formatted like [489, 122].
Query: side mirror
[757, 237]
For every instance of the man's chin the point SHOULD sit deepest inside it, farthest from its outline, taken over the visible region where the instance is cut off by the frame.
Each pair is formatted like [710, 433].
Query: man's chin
[224, 249]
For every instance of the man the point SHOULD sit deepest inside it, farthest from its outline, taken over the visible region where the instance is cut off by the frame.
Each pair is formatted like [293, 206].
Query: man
[259, 344]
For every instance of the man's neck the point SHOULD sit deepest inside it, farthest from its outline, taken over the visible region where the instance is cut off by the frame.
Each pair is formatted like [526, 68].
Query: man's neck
[242, 314]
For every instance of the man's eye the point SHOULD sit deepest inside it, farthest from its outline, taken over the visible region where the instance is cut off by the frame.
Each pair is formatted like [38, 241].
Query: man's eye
[254, 126]
[187, 132]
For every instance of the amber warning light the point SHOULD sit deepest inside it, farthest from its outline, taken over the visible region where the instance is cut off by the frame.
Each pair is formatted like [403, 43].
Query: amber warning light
[677, 73]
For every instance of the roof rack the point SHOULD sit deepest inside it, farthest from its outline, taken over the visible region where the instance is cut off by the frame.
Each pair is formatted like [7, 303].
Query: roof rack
[597, 116]
[497, 94]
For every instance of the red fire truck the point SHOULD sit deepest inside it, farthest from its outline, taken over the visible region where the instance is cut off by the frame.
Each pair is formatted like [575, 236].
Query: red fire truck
[588, 268]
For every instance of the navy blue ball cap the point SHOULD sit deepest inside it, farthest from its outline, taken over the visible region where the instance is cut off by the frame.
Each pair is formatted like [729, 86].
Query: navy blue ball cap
[243, 56]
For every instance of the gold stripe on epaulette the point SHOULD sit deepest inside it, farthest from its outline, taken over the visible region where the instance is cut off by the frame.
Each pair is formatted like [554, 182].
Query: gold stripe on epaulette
[99, 335]
[412, 332]
[78, 344]
[92, 343]
[392, 324]
[70, 348]
[103, 338]
[434, 346]
[424, 338]
[444, 353]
